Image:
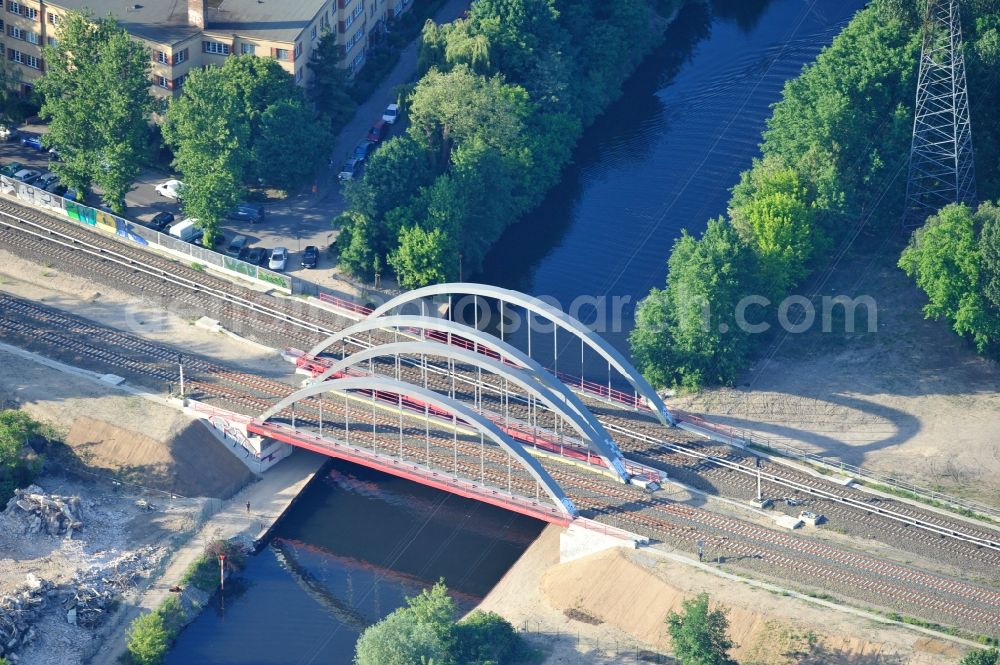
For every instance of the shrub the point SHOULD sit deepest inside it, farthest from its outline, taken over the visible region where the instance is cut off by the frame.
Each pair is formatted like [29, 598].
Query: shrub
[485, 637]
[148, 639]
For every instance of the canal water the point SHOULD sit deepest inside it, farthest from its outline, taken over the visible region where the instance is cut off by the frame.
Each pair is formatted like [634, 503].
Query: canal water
[354, 546]
[661, 160]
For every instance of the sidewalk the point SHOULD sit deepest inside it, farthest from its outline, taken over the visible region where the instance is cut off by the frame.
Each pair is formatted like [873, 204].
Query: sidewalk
[269, 498]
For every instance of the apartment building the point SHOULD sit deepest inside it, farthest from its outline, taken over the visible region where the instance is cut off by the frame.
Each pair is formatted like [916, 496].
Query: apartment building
[205, 32]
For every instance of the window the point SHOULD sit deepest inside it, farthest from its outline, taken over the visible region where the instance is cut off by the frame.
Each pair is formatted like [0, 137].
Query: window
[52, 41]
[218, 48]
[298, 49]
[162, 82]
[32, 61]
[357, 61]
[15, 32]
[14, 8]
[16, 56]
[281, 53]
[33, 37]
[162, 58]
[298, 75]
[355, 38]
[312, 33]
[53, 18]
[359, 10]
[180, 57]
[248, 49]
[179, 81]
[31, 12]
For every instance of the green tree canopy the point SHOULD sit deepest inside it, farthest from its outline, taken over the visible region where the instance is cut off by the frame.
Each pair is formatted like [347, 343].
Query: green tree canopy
[698, 635]
[329, 85]
[424, 257]
[485, 637]
[18, 465]
[945, 259]
[99, 106]
[687, 334]
[209, 137]
[148, 639]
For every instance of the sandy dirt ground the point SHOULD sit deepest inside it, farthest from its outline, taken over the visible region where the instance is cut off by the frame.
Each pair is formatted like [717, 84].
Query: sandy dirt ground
[599, 608]
[910, 399]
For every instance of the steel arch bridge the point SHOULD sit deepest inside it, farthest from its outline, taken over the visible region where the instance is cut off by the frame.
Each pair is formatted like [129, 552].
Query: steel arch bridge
[559, 399]
[441, 413]
[535, 306]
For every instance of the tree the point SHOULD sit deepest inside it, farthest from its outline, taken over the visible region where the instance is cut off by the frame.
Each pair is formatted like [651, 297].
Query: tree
[356, 251]
[208, 134]
[423, 257]
[329, 86]
[148, 639]
[944, 258]
[412, 635]
[105, 148]
[981, 657]
[14, 107]
[18, 466]
[288, 122]
[687, 334]
[698, 636]
[988, 217]
[485, 637]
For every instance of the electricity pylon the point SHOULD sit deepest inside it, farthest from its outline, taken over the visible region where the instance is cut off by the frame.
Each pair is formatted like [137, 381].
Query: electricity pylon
[942, 168]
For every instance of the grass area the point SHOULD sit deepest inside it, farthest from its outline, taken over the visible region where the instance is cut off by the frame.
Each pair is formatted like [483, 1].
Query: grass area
[936, 627]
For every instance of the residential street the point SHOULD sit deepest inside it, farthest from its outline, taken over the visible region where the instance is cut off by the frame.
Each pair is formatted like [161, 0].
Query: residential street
[303, 218]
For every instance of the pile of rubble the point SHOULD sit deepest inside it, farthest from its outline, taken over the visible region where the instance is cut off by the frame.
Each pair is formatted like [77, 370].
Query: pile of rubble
[87, 600]
[92, 594]
[45, 513]
[18, 614]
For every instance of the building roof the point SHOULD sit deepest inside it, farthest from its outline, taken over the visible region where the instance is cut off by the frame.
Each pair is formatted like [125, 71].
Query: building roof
[166, 21]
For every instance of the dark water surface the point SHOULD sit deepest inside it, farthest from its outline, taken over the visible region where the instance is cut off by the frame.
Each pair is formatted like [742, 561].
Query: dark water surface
[354, 546]
[661, 160]
[665, 156]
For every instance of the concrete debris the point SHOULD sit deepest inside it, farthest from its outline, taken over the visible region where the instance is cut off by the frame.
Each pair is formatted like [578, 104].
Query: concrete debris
[45, 513]
[86, 600]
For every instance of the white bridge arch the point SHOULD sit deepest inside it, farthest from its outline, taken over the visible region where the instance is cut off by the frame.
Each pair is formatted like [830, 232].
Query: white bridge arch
[547, 311]
[458, 410]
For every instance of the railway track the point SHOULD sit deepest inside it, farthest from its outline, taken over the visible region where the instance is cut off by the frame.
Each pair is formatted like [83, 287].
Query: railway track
[252, 392]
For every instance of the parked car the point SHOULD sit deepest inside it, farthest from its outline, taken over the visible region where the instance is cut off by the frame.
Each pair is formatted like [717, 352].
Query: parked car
[247, 212]
[72, 194]
[187, 230]
[378, 131]
[32, 141]
[363, 149]
[59, 189]
[27, 176]
[8, 133]
[349, 169]
[10, 169]
[391, 113]
[237, 248]
[54, 155]
[279, 259]
[161, 220]
[170, 189]
[46, 179]
[257, 256]
[310, 256]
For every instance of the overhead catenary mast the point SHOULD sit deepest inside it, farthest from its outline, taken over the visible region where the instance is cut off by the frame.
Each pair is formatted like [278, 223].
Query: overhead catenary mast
[942, 168]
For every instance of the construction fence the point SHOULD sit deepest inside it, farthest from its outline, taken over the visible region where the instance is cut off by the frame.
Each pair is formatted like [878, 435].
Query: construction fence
[106, 222]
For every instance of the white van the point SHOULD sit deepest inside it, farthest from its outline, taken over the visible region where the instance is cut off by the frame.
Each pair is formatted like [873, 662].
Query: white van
[187, 231]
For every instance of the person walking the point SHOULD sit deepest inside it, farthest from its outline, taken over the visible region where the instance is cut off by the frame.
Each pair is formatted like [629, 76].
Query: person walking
[248, 507]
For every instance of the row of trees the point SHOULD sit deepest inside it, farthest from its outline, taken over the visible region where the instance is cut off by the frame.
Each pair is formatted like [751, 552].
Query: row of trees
[243, 124]
[832, 165]
[425, 632]
[503, 99]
